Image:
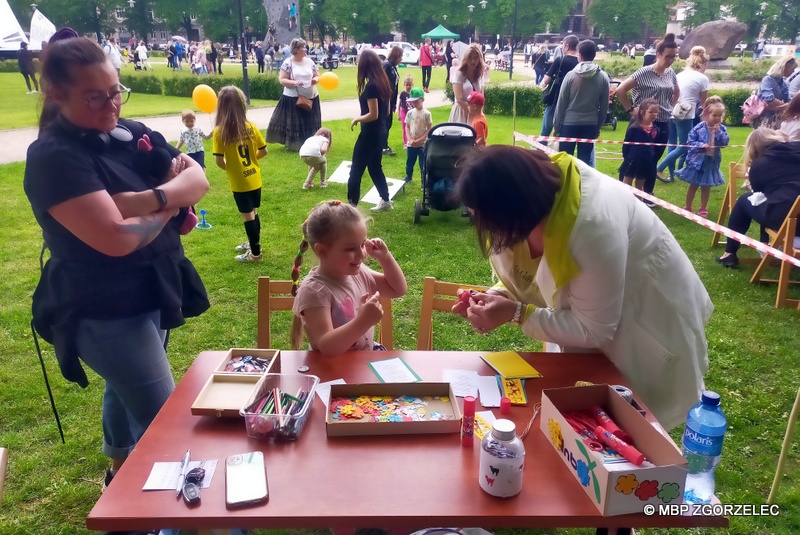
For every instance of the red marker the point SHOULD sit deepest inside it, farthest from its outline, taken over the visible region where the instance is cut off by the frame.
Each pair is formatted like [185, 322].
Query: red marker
[468, 422]
[620, 446]
[605, 420]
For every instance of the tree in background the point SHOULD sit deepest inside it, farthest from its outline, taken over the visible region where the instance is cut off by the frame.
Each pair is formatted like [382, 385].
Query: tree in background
[628, 20]
[702, 11]
[139, 19]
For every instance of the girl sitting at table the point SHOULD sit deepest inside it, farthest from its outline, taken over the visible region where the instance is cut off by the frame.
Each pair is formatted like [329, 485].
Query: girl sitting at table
[338, 303]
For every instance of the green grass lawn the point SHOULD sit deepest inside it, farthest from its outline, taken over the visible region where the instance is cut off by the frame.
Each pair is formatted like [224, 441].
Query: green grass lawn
[51, 487]
[18, 110]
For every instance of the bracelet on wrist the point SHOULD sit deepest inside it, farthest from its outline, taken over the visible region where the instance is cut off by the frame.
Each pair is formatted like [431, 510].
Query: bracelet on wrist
[515, 319]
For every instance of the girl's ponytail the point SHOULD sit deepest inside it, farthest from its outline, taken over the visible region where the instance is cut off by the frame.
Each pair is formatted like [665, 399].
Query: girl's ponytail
[297, 325]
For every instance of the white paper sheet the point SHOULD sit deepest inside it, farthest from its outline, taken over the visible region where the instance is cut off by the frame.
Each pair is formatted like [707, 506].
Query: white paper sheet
[372, 196]
[342, 173]
[323, 390]
[164, 475]
[490, 391]
[463, 382]
[393, 371]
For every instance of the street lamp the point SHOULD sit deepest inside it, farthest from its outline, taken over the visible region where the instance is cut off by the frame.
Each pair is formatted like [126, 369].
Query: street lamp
[245, 79]
[354, 15]
[483, 4]
[311, 6]
[444, 17]
[513, 31]
[33, 7]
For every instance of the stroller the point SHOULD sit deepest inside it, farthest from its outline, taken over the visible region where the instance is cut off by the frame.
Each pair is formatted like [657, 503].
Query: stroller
[447, 143]
[611, 119]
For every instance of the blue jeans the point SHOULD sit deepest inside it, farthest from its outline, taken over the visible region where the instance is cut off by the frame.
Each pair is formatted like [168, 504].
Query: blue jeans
[678, 134]
[585, 150]
[411, 159]
[547, 120]
[129, 354]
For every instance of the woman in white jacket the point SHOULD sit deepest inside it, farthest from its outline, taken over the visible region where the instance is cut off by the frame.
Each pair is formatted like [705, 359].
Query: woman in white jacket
[583, 265]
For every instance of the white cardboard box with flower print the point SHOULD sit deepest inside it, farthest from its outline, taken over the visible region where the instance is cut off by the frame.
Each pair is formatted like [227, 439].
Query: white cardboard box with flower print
[615, 486]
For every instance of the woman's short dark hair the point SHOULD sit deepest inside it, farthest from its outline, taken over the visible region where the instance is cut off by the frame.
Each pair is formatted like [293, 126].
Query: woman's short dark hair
[510, 191]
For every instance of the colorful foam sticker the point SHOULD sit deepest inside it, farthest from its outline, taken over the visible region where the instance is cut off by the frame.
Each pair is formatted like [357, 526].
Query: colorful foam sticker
[390, 409]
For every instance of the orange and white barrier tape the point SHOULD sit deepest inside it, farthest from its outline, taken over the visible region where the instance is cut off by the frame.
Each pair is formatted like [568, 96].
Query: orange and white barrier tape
[615, 142]
[725, 231]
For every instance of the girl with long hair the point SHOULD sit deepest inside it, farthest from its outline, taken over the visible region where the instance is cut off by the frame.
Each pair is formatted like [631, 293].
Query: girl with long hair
[467, 79]
[374, 93]
[237, 147]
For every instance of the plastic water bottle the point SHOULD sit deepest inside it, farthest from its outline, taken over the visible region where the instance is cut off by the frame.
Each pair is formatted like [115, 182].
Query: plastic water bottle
[702, 446]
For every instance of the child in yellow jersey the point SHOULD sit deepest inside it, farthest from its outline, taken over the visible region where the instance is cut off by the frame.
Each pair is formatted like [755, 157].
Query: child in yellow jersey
[237, 147]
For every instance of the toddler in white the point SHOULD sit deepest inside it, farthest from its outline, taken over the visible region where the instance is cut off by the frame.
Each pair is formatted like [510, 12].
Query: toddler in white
[313, 154]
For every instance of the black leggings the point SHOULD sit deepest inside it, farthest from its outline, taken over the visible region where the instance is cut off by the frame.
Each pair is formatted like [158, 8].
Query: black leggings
[28, 78]
[367, 154]
[426, 76]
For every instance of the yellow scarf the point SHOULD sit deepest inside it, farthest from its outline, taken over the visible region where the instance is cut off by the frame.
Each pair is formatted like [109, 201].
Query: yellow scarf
[561, 221]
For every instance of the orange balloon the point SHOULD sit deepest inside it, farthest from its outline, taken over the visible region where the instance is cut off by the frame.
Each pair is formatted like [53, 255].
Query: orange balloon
[329, 80]
[204, 98]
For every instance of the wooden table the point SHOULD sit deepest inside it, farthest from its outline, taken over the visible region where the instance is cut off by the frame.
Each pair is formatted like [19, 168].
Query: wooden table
[411, 481]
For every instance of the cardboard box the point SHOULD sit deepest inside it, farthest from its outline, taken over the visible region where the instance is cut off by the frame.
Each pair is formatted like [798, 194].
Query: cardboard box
[428, 392]
[225, 393]
[615, 488]
[265, 354]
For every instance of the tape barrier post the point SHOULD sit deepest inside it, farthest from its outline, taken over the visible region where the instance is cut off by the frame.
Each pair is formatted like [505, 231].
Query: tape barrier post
[716, 227]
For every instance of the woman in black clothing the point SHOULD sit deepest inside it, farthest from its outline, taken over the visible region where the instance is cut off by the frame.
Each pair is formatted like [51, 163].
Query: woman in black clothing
[773, 165]
[374, 93]
[212, 57]
[448, 59]
[117, 279]
[390, 68]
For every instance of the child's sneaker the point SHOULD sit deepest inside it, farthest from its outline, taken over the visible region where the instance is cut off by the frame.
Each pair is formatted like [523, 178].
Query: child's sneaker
[243, 247]
[382, 206]
[407, 179]
[323, 184]
[308, 185]
[248, 257]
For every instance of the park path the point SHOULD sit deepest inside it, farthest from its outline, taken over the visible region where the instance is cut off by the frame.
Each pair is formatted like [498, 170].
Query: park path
[14, 143]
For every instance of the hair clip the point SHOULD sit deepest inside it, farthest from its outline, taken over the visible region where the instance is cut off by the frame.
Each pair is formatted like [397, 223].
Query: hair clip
[336, 203]
[63, 34]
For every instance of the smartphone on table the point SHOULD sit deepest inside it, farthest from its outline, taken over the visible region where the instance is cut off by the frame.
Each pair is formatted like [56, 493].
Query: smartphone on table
[245, 480]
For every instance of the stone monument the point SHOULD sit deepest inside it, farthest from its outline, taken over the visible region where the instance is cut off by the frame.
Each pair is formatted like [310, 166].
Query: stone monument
[278, 13]
[719, 37]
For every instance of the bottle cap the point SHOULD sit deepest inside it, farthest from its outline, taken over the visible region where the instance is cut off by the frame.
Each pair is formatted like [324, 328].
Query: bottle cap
[505, 406]
[469, 404]
[710, 398]
[504, 429]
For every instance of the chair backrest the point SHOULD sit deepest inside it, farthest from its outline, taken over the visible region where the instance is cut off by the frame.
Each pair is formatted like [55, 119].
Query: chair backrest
[432, 292]
[277, 295]
[737, 176]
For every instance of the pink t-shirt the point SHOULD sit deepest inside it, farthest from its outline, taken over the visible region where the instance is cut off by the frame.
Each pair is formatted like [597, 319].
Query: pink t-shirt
[341, 297]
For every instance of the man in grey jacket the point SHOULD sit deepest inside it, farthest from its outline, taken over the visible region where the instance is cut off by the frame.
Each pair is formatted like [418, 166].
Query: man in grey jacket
[582, 103]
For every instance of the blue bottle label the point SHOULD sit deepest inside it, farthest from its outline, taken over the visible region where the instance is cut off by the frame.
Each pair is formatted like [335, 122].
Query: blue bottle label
[702, 444]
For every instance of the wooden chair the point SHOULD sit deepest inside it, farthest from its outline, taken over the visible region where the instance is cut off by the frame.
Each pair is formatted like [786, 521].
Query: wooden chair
[785, 240]
[277, 295]
[3, 463]
[431, 290]
[787, 441]
[737, 173]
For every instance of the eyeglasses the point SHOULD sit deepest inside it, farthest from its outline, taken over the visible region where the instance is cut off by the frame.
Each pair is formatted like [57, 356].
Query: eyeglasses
[120, 97]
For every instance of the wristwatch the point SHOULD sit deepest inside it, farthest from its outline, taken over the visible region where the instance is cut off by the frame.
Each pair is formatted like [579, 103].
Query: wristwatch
[161, 196]
[515, 319]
